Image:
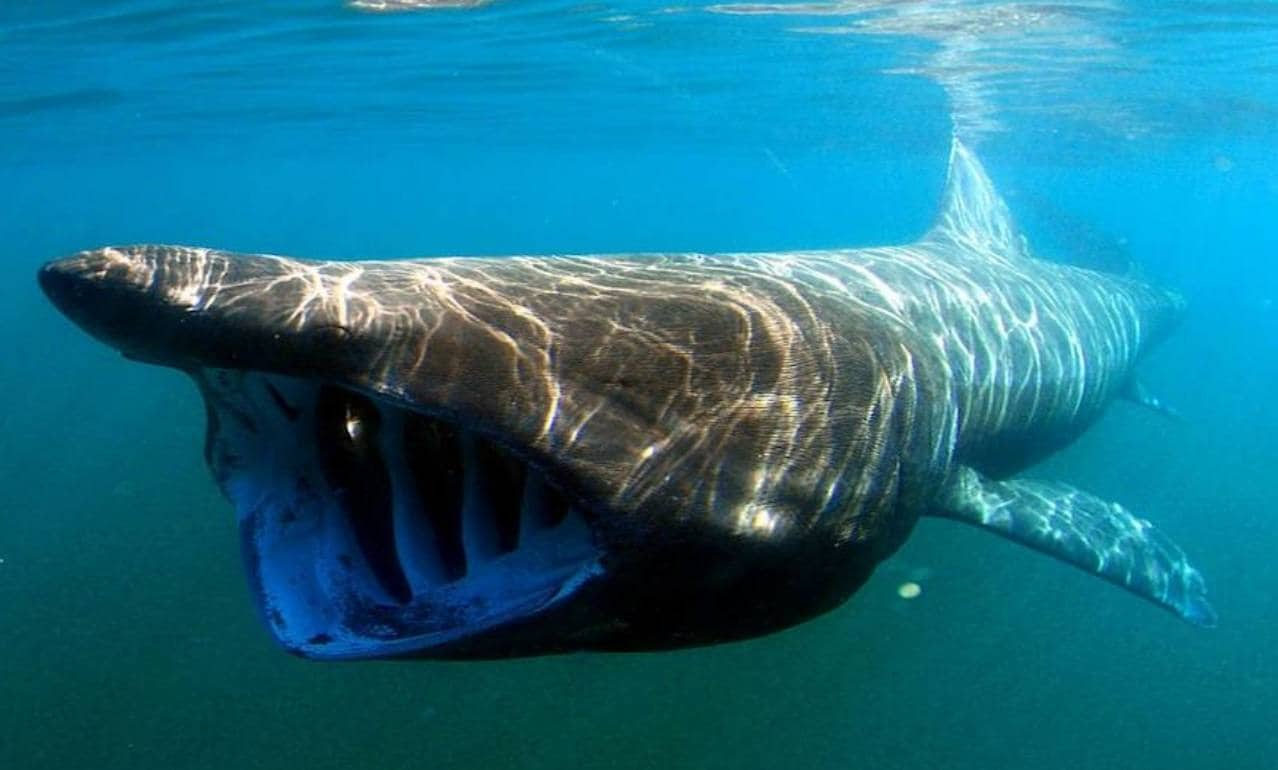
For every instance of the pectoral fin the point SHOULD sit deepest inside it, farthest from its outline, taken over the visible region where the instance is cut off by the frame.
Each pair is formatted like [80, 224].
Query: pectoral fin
[1101, 537]
[1136, 392]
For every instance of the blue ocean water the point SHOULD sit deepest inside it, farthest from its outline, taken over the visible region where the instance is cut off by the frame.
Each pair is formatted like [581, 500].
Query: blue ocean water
[1120, 132]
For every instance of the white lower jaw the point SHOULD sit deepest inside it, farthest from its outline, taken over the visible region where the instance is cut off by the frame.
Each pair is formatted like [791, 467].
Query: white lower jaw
[324, 607]
[328, 589]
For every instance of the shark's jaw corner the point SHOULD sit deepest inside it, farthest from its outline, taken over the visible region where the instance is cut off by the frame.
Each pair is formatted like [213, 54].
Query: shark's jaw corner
[370, 530]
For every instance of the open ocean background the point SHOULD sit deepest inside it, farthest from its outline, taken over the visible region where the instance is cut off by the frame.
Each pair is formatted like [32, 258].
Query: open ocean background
[1118, 131]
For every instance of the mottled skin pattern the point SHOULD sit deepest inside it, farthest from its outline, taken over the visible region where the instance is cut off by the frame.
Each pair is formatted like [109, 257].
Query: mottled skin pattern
[751, 432]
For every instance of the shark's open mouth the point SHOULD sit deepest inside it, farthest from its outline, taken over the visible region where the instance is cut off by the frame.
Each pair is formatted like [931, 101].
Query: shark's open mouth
[370, 529]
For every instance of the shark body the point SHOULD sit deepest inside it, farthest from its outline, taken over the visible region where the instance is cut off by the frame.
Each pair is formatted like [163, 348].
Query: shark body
[488, 457]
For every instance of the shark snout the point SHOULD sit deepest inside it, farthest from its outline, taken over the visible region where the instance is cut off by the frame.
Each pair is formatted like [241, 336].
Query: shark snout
[65, 283]
[178, 306]
[107, 292]
[173, 275]
[188, 307]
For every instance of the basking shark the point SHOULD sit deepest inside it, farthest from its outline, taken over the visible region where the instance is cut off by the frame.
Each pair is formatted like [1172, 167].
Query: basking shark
[490, 457]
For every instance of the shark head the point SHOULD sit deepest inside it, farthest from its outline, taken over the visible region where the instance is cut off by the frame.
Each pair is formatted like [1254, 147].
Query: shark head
[498, 457]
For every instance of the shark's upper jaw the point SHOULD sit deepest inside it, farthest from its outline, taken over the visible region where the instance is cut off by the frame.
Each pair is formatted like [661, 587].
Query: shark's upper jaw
[370, 530]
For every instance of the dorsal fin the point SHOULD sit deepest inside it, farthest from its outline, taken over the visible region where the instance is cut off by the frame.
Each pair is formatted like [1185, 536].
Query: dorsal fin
[974, 216]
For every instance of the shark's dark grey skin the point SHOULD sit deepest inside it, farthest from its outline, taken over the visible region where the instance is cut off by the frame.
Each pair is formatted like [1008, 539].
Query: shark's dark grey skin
[506, 456]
